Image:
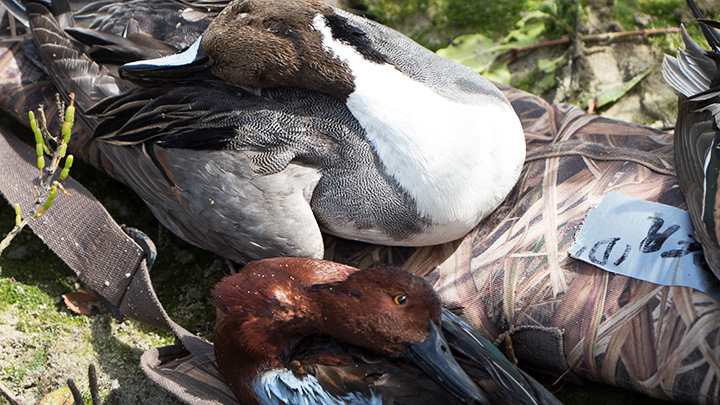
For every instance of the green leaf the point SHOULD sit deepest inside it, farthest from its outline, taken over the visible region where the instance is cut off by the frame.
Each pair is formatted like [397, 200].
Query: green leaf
[614, 93]
[550, 66]
[498, 73]
[477, 51]
[547, 82]
[529, 28]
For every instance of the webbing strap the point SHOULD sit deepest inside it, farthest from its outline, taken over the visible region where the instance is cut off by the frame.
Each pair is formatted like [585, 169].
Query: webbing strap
[84, 235]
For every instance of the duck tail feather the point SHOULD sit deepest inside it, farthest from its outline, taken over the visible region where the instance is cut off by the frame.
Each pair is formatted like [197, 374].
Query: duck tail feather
[62, 12]
[674, 76]
[706, 26]
[693, 71]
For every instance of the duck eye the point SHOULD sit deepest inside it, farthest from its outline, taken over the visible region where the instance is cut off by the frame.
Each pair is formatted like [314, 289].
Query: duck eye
[400, 299]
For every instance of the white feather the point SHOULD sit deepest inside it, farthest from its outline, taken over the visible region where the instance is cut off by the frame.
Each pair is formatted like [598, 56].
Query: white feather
[458, 161]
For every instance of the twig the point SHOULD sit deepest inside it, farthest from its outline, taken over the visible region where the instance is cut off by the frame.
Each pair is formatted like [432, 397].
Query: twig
[13, 232]
[9, 395]
[43, 124]
[92, 377]
[562, 375]
[608, 36]
[611, 36]
[13, 26]
[77, 396]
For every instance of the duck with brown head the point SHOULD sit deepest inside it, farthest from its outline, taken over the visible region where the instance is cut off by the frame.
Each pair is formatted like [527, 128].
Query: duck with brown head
[447, 136]
[295, 330]
[282, 119]
[265, 44]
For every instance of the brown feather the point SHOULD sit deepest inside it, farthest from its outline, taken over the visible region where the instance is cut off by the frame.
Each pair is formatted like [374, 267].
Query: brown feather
[271, 47]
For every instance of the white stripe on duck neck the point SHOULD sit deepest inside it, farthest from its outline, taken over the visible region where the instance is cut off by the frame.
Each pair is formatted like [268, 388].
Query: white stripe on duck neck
[458, 161]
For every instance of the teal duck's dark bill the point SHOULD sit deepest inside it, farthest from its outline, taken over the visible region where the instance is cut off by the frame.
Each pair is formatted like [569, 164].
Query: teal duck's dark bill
[434, 357]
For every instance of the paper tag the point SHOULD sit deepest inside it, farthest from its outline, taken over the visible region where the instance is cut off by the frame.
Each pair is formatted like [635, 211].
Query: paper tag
[650, 241]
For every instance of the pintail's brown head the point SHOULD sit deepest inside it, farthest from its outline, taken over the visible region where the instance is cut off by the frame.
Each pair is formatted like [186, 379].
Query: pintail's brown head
[265, 44]
[272, 43]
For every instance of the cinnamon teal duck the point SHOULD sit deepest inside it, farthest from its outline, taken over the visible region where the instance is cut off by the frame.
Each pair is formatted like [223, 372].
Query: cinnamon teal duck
[694, 73]
[281, 119]
[298, 330]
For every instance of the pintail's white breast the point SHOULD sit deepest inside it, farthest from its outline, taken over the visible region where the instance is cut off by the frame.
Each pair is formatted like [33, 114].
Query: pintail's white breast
[457, 155]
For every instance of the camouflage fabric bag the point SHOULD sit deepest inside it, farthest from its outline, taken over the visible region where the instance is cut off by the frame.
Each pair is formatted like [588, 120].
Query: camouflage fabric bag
[511, 275]
[513, 272]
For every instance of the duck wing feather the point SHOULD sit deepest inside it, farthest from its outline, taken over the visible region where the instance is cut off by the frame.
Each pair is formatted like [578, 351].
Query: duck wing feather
[341, 369]
[71, 70]
[240, 204]
[215, 200]
[338, 369]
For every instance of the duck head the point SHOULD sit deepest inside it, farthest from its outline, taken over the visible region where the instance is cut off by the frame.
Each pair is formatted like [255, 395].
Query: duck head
[274, 46]
[381, 309]
[269, 308]
[262, 44]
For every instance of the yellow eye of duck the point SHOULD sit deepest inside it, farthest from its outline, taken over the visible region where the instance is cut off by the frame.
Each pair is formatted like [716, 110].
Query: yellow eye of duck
[400, 299]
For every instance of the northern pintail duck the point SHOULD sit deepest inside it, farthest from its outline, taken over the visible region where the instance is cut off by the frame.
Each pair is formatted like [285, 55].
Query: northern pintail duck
[281, 119]
[297, 330]
[695, 74]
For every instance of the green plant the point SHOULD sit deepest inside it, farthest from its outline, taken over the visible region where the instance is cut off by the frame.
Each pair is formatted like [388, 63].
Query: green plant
[56, 148]
[547, 19]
